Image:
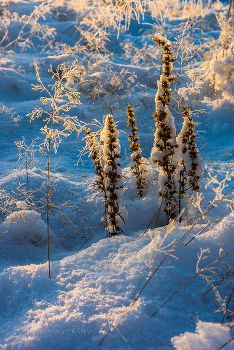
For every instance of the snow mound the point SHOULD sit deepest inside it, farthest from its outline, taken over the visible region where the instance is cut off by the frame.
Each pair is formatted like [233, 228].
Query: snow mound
[208, 336]
[90, 293]
[24, 226]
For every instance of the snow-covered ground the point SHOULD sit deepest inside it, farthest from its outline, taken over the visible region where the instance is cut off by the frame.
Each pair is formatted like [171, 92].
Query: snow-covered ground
[104, 292]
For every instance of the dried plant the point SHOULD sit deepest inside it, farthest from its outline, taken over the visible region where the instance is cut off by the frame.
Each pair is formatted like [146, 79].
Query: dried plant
[11, 202]
[189, 167]
[30, 27]
[95, 152]
[163, 151]
[113, 177]
[27, 157]
[139, 164]
[187, 141]
[9, 119]
[214, 74]
[61, 99]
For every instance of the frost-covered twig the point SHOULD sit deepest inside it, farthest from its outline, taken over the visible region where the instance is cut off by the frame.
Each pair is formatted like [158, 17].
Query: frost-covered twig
[27, 154]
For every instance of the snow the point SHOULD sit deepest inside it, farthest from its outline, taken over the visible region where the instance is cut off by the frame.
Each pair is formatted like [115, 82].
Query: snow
[24, 226]
[93, 294]
[162, 39]
[208, 336]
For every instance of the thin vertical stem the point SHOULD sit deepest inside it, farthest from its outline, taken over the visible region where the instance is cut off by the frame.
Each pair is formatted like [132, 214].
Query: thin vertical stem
[181, 191]
[48, 192]
[47, 206]
[227, 305]
[26, 165]
[180, 201]
[229, 10]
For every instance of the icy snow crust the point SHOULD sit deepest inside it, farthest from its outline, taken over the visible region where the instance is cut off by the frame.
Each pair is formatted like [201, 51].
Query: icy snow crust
[91, 290]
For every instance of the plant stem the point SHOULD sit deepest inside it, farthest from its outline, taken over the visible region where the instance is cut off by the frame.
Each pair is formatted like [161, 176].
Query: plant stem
[48, 191]
[229, 10]
[226, 343]
[27, 164]
[47, 206]
[230, 298]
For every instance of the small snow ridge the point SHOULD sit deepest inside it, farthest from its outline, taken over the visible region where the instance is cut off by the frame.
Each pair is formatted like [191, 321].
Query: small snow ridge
[24, 226]
[208, 336]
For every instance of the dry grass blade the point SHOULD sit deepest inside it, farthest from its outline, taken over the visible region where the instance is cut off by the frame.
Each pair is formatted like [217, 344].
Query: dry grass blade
[140, 281]
[176, 244]
[228, 274]
[104, 337]
[144, 273]
[59, 200]
[157, 213]
[229, 9]
[218, 217]
[90, 236]
[198, 273]
[207, 210]
[227, 304]
[226, 343]
[156, 269]
[159, 210]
